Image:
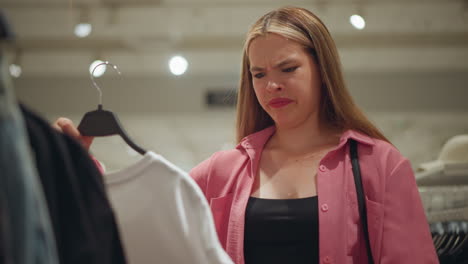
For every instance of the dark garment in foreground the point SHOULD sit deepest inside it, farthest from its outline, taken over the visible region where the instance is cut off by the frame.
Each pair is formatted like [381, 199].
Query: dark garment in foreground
[83, 221]
[5, 235]
[281, 231]
[25, 228]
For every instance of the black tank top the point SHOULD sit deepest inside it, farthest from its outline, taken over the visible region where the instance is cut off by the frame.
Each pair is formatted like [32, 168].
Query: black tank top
[281, 231]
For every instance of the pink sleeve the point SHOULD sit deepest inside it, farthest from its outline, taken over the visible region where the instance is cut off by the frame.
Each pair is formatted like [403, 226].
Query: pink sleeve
[200, 172]
[406, 237]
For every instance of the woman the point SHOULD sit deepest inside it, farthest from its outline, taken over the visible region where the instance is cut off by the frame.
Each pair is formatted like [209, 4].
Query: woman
[286, 193]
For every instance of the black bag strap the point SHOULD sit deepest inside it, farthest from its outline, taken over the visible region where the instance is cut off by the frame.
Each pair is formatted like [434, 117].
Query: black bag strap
[360, 197]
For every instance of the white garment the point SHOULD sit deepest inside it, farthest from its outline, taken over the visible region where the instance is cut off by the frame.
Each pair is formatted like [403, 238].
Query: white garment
[162, 214]
[459, 214]
[440, 198]
[443, 174]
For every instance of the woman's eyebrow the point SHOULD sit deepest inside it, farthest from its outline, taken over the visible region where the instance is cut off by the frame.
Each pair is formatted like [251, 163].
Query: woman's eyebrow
[285, 62]
[279, 65]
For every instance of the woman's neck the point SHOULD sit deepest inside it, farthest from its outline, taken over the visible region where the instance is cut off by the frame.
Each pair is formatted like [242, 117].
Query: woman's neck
[305, 138]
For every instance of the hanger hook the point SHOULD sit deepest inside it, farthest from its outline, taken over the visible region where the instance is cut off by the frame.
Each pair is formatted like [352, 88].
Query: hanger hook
[94, 81]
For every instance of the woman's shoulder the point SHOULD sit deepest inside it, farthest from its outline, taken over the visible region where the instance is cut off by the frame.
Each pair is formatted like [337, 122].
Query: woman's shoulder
[223, 157]
[378, 152]
[219, 166]
[382, 165]
[220, 159]
[371, 145]
[386, 152]
[386, 160]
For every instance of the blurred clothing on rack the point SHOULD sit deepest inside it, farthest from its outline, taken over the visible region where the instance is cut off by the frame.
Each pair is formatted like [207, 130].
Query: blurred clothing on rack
[451, 241]
[83, 221]
[438, 198]
[26, 233]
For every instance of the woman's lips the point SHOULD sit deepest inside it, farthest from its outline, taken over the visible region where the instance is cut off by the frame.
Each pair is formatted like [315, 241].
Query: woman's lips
[279, 102]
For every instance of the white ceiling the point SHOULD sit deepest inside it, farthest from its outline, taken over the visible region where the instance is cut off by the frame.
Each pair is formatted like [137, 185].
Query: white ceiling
[141, 35]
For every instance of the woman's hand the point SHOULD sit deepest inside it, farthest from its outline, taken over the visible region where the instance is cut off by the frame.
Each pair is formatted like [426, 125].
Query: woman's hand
[66, 126]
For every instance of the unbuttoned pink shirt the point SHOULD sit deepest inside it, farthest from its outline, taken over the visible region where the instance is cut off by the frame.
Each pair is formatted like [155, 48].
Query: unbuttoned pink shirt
[398, 229]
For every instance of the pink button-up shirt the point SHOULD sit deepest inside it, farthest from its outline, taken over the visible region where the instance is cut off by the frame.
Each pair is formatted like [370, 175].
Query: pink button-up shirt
[398, 229]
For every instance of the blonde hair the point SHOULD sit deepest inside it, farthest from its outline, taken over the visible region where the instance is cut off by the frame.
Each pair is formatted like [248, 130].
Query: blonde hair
[337, 107]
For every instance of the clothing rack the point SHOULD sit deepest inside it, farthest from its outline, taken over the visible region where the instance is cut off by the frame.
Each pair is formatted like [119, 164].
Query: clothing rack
[440, 198]
[451, 241]
[447, 214]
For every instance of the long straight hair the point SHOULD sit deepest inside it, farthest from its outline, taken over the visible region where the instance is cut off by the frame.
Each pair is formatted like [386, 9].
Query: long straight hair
[337, 107]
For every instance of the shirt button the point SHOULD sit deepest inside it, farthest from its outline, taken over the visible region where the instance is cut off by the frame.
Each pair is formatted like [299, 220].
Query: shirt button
[322, 168]
[324, 207]
[327, 259]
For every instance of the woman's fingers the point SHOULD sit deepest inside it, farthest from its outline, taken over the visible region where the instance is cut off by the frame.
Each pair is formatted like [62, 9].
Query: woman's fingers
[66, 126]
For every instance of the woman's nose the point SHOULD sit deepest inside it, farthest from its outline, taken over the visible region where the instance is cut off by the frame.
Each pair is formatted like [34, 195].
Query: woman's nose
[273, 86]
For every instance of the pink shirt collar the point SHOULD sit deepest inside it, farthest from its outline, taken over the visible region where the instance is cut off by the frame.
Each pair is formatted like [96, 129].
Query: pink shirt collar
[258, 139]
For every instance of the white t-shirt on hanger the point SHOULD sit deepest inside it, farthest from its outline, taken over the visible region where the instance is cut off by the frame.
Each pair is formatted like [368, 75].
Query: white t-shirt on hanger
[162, 214]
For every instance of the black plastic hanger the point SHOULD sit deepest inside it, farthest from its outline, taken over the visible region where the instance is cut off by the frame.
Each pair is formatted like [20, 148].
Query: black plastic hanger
[100, 123]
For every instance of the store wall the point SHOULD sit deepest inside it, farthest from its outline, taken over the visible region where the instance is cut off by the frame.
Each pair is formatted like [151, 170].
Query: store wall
[418, 112]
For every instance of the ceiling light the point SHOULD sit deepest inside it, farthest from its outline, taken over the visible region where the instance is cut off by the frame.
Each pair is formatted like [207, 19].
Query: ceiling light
[15, 70]
[83, 30]
[357, 21]
[99, 71]
[178, 65]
